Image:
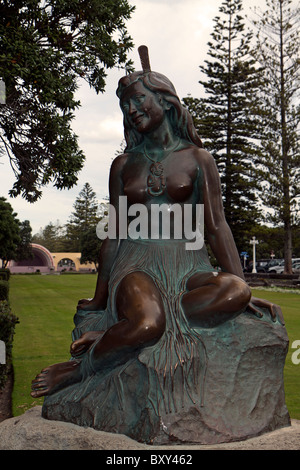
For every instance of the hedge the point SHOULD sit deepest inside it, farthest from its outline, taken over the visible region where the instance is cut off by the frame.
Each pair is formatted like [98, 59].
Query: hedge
[4, 274]
[4, 290]
[8, 322]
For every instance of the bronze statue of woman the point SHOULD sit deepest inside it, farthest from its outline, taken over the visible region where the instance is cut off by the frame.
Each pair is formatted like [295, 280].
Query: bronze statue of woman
[153, 296]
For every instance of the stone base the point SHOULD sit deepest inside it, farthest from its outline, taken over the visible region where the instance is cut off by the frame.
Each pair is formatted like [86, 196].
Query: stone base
[32, 432]
[243, 392]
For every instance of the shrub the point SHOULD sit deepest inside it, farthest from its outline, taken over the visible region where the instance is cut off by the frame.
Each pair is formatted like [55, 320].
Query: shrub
[4, 274]
[4, 290]
[8, 322]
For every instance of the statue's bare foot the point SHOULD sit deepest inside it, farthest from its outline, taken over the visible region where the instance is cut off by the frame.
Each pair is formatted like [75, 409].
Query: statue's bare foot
[54, 377]
[82, 344]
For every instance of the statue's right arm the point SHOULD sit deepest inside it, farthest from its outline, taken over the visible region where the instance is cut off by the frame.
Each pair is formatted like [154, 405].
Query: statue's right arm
[109, 247]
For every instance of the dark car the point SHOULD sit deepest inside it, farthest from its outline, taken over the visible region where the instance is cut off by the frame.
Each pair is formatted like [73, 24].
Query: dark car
[263, 265]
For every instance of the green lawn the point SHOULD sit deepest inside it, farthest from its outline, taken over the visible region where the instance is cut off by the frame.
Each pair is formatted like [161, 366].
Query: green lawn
[290, 305]
[46, 305]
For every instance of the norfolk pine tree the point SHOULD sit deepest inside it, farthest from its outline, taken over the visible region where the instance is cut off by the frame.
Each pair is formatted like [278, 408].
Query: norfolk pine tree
[45, 47]
[24, 249]
[278, 51]
[226, 118]
[84, 218]
[52, 237]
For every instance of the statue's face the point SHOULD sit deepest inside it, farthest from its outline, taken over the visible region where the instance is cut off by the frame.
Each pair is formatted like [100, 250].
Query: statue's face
[143, 109]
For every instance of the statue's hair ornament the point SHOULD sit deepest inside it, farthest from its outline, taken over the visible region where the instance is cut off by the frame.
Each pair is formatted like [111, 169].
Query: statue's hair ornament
[144, 57]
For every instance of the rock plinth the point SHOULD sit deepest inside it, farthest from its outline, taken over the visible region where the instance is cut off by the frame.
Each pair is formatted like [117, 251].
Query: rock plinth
[32, 432]
[243, 392]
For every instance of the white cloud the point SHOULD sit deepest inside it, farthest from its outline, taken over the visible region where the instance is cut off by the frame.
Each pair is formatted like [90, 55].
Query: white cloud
[108, 129]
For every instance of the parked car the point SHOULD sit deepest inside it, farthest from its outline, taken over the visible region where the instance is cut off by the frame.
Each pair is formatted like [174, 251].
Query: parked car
[280, 267]
[277, 269]
[296, 268]
[263, 265]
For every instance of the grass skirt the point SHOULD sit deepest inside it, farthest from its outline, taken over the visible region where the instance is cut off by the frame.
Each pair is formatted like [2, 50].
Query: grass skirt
[177, 362]
[169, 376]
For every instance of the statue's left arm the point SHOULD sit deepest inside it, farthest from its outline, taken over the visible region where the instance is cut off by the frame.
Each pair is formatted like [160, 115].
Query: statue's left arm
[219, 234]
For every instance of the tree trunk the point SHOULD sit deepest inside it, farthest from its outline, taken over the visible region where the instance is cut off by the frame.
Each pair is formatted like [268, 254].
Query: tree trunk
[228, 171]
[285, 162]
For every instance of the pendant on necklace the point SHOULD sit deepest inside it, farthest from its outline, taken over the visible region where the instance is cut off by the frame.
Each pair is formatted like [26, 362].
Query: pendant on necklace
[156, 181]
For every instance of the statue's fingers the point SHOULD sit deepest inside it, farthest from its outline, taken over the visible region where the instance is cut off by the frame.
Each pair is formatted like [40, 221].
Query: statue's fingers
[277, 313]
[255, 310]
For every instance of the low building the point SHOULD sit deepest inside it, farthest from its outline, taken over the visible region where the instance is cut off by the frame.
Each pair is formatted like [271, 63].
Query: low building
[45, 262]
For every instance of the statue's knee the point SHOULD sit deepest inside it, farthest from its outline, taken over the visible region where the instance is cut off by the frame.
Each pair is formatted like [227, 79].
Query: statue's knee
[139, 301]
[151, 321]
[247, 293]
[150, 330]
[240, 293]
[136, 285]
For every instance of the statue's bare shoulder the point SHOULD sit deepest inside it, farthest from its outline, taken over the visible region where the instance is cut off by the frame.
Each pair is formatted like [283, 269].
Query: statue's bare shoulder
[117, 167]
[205, 160]
[119, 163]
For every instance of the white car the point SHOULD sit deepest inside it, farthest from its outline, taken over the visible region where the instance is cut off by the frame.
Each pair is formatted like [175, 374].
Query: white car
[278, 269]
[296, 268]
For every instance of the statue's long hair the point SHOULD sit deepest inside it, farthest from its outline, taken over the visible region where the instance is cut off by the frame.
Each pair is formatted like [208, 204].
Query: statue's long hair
[179, 117]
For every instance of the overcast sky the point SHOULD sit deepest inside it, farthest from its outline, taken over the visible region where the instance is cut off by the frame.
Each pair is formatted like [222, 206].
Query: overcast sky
[176, 33]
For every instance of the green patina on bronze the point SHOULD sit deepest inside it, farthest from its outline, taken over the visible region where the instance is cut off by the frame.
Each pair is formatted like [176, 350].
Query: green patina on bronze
[169, 349]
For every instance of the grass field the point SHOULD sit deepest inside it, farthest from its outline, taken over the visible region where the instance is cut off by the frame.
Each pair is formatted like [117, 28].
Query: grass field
[46, 305]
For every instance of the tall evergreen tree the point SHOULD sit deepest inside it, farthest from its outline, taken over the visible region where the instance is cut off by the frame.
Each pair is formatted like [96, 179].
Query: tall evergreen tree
[84, 217]
[52, 237]
[24, 250]
[90, 246]
[226, 117]
[278, 51]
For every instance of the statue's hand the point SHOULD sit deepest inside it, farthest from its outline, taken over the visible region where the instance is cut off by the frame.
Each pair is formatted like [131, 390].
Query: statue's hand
[82, 344]
[274, 309]
[87, 304]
